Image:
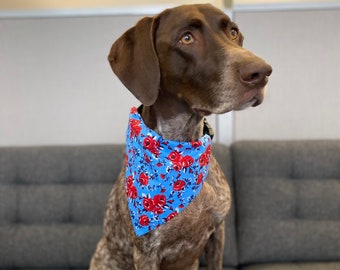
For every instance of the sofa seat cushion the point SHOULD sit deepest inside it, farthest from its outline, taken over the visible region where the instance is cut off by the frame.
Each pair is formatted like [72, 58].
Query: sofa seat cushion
[288, 220]
[52, 202]
[295, 266]
[55, 246]
[288, 203]
[53, 268]
[224, 268]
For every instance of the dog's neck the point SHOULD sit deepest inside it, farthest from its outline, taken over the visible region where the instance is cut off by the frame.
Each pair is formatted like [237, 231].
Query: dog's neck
[173, 119]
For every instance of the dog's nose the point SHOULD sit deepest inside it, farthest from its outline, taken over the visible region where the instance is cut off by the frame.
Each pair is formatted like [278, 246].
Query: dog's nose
[255, 73]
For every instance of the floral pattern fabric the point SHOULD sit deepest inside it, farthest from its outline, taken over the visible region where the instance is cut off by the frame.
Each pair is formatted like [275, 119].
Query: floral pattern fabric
[162, 177]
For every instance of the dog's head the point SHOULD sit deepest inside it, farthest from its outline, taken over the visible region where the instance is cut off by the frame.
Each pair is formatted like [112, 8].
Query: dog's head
[193, 52]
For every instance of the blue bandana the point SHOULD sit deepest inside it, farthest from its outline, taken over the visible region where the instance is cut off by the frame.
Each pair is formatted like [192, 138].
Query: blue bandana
[162, 177]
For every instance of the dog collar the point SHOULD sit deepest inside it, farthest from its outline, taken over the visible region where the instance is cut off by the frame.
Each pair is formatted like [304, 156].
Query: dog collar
[162, 177]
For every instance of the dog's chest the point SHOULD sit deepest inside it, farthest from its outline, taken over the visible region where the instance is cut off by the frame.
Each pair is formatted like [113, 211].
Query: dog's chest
[217, 192]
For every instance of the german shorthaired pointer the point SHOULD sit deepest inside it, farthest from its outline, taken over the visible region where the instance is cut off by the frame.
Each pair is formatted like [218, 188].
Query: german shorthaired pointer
[183, 64]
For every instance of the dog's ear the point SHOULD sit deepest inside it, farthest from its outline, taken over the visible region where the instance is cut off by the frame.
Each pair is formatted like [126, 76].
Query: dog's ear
[134, 60]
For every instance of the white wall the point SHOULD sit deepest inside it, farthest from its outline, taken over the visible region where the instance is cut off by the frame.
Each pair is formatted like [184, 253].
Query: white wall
[31, 5]
[56, 86]
[303, 95]
[38, 8]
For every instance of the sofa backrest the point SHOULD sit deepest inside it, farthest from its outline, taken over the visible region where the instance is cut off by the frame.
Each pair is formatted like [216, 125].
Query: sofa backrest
[288, 200]
[52, 203]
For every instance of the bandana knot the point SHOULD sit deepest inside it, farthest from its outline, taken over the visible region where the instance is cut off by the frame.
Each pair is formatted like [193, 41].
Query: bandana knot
[162, 177]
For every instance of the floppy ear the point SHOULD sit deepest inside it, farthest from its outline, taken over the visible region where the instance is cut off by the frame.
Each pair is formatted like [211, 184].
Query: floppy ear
[134, 60]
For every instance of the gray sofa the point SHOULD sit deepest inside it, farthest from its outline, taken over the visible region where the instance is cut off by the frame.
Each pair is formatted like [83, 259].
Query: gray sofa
[286, 211]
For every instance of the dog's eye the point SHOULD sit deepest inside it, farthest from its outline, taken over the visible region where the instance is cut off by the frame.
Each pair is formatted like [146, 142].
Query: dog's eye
[234, 33]
[187, 39]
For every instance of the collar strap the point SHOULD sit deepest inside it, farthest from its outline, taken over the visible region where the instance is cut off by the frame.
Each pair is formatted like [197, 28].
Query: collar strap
[207, 129]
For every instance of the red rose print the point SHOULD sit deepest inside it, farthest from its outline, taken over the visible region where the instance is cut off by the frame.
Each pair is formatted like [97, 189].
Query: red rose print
[178, 185]
[129, 181]
[147, 143]
[174, 156]
[208, 158]
[151, 144]
[146, 158]
[133, 110]
[204, 160]
[205, 157]
[148, 204]
[143, 179]
[160, 200]
[171, 216]
[196, 144]
[144, 220]
[208, 151]
[132, 192]
[155, 150]
[135, 127]
[177, 166]
[199, 179]
[158, 210]
[187, 161]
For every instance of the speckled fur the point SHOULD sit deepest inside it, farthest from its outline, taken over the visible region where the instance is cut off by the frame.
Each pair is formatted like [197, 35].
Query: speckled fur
[179, 84]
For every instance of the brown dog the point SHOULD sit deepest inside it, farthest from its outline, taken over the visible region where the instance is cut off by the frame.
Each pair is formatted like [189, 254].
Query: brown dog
[183, 64]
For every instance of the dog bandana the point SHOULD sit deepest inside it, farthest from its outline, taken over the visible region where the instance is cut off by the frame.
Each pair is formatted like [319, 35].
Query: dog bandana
[162, 177]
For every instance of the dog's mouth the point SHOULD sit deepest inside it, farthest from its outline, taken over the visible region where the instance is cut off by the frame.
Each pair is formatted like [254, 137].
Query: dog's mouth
[251, 103]
[251, 99]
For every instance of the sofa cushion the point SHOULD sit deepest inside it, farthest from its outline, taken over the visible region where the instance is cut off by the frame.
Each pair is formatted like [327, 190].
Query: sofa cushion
[50, 268]
[224, 268]
[61, 164]
[52, 201]
[295, 266]
[288, 202]
[47, 246]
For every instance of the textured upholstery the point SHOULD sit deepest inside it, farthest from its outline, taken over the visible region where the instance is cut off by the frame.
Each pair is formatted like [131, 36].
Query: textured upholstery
[224, 268]
[295, 266]
[52, 201]
[288, 201]
[287, 208]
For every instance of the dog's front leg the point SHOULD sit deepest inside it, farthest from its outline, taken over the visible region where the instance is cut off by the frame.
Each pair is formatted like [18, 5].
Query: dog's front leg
[214, 249]
[145, 261]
